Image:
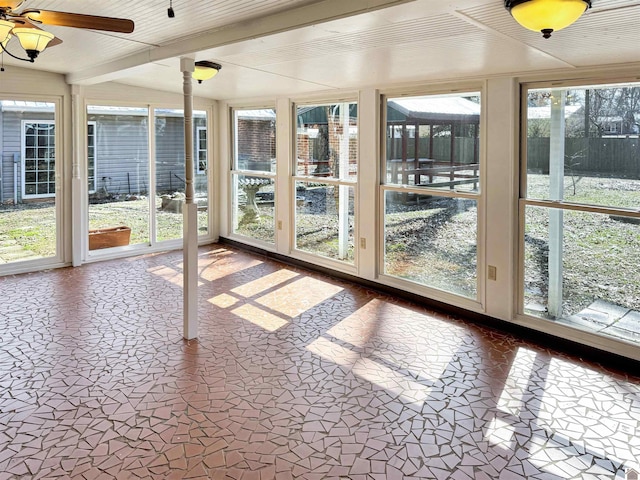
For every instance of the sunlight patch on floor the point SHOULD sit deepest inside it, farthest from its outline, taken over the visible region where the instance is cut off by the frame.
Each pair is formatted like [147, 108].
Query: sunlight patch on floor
[216, 270]
[224, 300]
[169, 274]
[260, 317]
[267, 282]
[302, 295]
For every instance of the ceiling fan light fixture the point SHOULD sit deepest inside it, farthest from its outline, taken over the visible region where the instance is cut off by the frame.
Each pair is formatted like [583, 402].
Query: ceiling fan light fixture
[204, 70]
[5, 30]
[546, 16]
[33, 40]
[5, 41]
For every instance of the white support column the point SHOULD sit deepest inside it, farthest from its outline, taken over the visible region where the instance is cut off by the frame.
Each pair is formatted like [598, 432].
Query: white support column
[498, 210]
[343, 195]
[286, 165]
[368, 205]
[189, 212]
[79, 227]
[556, 192]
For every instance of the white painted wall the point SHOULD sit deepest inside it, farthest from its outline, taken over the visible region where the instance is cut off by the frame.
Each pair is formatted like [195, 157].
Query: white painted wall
[500, 108]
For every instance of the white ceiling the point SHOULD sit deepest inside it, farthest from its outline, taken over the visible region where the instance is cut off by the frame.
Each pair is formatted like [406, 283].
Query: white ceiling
[290, 47]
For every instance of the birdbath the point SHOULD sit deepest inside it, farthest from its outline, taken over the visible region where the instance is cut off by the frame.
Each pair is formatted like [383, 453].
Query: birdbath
[251, 186]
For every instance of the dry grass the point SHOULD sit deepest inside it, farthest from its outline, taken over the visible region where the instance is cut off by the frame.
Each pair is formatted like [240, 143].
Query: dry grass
[428, 242]
[28, 230]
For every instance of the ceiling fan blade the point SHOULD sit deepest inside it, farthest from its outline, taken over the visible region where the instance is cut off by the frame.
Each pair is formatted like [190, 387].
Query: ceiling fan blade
[78, 20]
[54, 41]
[11, 5]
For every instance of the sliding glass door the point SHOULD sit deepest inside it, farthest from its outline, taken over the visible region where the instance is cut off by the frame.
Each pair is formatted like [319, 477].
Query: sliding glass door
[30, 187]
[136, 192]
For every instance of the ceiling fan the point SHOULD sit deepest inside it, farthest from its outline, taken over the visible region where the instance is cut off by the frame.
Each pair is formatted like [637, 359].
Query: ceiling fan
[24, 26]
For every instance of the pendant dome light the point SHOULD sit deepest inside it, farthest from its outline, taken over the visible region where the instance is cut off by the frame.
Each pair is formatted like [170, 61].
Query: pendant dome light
[546, 16]
[204, 70]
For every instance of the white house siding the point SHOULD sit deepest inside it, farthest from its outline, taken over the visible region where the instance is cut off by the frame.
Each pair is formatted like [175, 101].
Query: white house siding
[170, 153]
[122, 153]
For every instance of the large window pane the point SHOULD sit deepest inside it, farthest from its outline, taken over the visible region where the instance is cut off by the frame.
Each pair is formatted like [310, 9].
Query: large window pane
[255, 140]
[432, 241]
[432, 144]
[121, 199]
[327, 141]
[170, 172]
[170, 175]
[432, 141]
[254, 196]
[326, 148]
[325, 220]
[583, 145]
[28, 181]
[582, 268]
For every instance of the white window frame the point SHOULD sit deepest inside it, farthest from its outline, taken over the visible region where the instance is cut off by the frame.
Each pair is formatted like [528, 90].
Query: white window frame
[556, 205]
[478, 196]
[23, 146]
[198, 150]
[235, 171]
[92, 188]
[343, 182]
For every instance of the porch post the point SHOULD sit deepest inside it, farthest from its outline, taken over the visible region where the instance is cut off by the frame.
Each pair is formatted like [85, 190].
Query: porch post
[190, 213]
[343, 190]
[78, 192]
[556, 192]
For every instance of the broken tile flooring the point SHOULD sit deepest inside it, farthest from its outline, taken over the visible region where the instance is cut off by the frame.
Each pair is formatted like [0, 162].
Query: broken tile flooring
[294, 375]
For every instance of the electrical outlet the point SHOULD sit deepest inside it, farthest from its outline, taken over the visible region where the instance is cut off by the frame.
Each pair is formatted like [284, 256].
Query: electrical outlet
[492, 272]
[363, 243]
[279, 224]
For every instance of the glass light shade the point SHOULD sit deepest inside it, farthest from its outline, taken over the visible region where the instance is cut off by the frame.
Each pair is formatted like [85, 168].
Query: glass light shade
[33, 39]
[6, 40]
[548, 16]
[5, 30]
[205, 70]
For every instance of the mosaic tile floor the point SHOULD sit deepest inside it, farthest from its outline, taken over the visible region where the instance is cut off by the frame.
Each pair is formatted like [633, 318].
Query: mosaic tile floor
[295, 375]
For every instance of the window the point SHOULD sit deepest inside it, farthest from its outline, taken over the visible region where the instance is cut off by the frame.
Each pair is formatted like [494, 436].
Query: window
[91, 156]
[325, 179]
[253, 174]
[431, 187]
[201, 150]
[39, 159]
[579, 206]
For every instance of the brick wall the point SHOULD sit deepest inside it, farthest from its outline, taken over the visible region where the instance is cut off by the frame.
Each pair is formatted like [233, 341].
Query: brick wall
[319, 155]
[256, 143]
